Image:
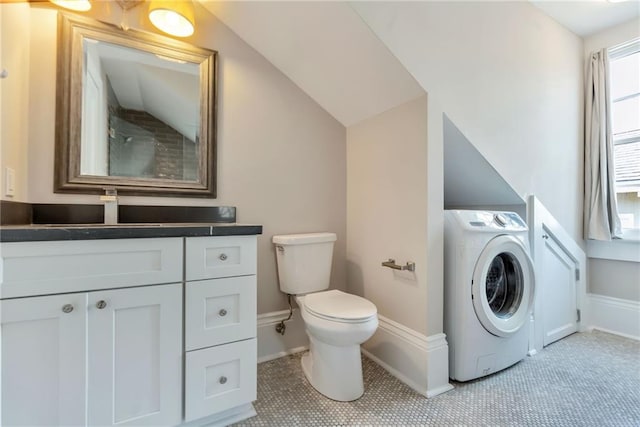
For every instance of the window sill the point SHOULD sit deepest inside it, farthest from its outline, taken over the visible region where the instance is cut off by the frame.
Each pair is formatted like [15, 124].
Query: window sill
[625, 249]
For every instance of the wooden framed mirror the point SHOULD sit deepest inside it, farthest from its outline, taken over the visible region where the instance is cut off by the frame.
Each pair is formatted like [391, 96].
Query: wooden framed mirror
[135, 111]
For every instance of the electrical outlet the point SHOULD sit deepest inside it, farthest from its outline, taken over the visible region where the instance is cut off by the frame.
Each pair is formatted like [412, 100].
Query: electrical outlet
[10, 182]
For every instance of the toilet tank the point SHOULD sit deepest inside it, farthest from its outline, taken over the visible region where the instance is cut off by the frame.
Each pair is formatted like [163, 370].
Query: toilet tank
[304, 261]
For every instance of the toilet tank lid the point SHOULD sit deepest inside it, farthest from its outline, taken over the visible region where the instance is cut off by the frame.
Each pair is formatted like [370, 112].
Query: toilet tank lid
[303, 239]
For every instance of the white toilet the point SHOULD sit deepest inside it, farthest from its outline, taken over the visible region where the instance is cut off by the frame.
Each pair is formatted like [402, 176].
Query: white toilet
[336, 322]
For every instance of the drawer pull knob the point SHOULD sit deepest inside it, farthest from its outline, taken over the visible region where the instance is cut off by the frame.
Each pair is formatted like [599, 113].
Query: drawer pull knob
[223, 257]
[222, 312]
[222, 380]
[101, 304]
[67, 308]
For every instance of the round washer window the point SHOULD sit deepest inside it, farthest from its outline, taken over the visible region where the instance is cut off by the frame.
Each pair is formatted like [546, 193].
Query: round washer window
[503, 285]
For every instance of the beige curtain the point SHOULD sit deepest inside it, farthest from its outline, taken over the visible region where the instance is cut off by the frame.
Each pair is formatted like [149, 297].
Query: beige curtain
[601, 221]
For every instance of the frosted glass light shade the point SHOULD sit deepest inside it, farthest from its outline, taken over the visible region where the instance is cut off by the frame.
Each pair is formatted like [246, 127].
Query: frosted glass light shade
[172, 17]
[77, 5]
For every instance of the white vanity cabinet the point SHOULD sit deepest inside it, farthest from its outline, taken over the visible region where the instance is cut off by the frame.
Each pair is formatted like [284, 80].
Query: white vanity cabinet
[220, 328]
[101, 357]
[116, 354]
[92, 331]
[43, 360]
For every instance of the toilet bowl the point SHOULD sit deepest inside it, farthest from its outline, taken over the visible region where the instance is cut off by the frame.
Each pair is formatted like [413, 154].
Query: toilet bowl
[336, 322]
[333, 365]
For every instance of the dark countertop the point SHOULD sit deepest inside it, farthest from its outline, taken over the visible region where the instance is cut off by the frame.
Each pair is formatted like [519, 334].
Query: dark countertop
[44, 232]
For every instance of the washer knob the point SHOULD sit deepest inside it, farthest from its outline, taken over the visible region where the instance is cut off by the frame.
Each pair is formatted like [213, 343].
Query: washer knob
[500, 219]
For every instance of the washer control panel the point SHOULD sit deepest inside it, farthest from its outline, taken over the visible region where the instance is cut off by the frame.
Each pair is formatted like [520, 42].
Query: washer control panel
[490, 220]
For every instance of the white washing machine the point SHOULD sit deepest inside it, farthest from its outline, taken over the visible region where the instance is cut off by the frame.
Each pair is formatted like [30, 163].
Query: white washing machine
[489, 289]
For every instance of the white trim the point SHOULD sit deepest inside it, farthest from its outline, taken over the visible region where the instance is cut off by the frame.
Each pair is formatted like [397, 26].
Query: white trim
[224, 418]
[406, 334]
[620, 250]
[272, 345]
[272, 318]
[542, 223]
[437, 365]
[615, 315]
[420, 362]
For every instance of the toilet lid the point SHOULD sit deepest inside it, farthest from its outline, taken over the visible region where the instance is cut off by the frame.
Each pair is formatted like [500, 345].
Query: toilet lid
[339, 305]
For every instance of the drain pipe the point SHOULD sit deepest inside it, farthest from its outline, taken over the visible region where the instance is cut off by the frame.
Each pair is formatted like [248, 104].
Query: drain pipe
[281, 327]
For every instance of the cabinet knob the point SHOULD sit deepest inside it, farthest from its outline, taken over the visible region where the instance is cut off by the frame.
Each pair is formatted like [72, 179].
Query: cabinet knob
[222, 380]
[223, 257]
[67, 308]
[222, 312]
[101, 304]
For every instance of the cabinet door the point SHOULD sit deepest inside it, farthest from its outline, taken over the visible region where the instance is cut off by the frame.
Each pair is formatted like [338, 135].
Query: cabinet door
[43, 360]
[135, 356]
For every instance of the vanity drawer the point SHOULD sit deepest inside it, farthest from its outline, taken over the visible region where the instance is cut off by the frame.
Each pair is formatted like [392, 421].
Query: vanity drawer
[38, 268]
[225, 256]
[219, 311]
[220, 378]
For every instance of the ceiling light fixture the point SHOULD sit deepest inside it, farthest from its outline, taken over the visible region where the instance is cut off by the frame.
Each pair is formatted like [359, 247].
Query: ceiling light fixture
[172, 17]
[77, 5]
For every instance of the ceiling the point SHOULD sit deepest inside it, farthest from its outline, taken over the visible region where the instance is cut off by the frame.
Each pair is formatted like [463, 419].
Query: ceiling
[585, 18]
[326, 49]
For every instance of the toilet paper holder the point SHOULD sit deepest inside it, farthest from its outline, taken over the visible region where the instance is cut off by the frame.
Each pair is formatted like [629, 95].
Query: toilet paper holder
[391, 263]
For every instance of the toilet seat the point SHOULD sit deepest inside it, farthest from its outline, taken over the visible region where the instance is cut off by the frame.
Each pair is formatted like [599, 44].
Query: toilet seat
[339, 306]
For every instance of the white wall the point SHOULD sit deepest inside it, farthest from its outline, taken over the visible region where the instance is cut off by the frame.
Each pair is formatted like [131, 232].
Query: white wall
[387, 211]
[14, 98]
[281, 158]
[509, 77]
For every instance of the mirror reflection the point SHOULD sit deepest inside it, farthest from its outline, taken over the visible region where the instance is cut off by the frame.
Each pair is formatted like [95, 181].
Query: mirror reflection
[140, 114]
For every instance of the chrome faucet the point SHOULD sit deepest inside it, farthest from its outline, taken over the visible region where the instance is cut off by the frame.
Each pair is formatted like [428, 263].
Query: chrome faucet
[110, 200]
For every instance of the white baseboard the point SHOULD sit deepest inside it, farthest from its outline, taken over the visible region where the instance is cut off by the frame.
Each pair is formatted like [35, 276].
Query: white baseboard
[614, 315]
[419, 361]
[272, 345]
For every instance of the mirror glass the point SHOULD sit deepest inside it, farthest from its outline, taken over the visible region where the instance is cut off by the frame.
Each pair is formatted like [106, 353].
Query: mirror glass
[137, 112]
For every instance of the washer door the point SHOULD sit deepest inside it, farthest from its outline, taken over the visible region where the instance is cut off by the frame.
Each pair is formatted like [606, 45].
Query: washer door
[503, 285]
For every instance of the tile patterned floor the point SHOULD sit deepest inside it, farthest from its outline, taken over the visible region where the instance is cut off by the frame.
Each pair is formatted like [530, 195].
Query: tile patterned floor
[587, 379]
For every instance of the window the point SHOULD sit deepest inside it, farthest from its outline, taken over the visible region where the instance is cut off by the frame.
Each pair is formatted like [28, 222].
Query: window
[625, 122]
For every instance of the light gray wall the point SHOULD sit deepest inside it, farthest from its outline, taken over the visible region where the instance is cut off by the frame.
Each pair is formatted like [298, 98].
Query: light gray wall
[281, 157]
[14, 96]
[387, 211]
[618, 279]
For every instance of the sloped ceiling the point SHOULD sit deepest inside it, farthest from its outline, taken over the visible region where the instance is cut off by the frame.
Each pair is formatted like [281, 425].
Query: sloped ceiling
[327, 50]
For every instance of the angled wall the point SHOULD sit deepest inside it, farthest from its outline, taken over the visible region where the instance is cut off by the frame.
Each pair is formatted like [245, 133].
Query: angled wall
[509, 77]
[470, 182]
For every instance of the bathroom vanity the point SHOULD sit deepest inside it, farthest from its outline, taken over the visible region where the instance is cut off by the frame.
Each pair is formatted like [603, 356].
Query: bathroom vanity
[129, 325]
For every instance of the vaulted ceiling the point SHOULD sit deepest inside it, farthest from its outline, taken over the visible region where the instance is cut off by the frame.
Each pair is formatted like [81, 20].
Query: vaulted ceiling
[327, 50]
[331, 54]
